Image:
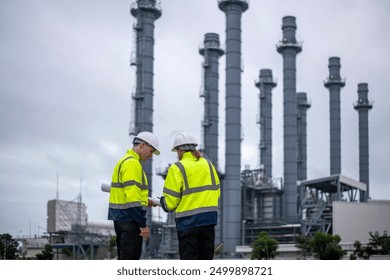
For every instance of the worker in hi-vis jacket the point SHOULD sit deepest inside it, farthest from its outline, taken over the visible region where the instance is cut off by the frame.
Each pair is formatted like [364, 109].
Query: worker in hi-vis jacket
[129, 197]
[191, 191]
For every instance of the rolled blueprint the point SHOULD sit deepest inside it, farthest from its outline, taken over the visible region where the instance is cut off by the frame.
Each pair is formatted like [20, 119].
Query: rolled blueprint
[105, 187]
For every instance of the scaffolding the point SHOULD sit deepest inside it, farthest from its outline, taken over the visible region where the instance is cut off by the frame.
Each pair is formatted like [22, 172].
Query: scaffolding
[67, 228]
[317, 196]
[262, 208]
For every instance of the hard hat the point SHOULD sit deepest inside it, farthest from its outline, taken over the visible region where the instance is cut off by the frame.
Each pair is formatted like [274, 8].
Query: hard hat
[184, 138]
[150, 139]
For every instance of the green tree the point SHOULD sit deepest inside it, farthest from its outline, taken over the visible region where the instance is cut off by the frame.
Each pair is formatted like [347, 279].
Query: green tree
[303, 245]
[377, 245]
[264, 247]
[66, 253]
[321, 246]
[8, 247]
[361, 252]
[380, 243]
[46, 254]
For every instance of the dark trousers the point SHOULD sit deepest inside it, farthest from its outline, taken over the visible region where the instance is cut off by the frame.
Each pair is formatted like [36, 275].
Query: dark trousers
[197, 243]
[128, 240]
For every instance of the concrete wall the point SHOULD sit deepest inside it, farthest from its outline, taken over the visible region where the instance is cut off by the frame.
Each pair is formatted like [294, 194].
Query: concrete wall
[354, 221]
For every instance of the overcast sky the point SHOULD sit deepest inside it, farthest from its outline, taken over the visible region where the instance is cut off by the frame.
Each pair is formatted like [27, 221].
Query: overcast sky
[66, 84]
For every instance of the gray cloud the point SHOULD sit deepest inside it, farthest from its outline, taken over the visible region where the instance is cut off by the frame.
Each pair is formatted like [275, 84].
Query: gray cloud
[66, 84]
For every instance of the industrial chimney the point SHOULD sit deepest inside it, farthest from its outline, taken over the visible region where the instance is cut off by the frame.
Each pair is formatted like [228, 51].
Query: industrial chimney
[303, 106]
[211, 52]
[209, 91]
[266, 83]
[146, 12]
[363, 105]
[232, 182]
[289, 48]
[334, 83]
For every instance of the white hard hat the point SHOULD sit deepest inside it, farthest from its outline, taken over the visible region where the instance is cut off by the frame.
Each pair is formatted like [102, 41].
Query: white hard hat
[150, 139]
[184, 138]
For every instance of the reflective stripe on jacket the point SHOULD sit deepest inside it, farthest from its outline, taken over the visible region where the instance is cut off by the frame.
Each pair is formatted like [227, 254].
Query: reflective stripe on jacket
[129, 190]
[192, 190]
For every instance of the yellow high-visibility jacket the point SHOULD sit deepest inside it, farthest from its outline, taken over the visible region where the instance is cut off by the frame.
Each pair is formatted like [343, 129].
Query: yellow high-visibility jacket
[129, 190]
[192, 190]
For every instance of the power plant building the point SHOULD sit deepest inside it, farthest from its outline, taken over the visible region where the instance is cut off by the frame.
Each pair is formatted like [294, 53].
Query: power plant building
[63, 216]
[253, 200]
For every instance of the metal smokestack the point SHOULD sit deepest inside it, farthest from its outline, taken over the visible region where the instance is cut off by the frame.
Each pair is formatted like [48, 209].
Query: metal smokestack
[266, 83]
[289, 48]
[334, 83]
[363, 105]
[211, 52]
[146, 12]
[303, 106]
[232, 182]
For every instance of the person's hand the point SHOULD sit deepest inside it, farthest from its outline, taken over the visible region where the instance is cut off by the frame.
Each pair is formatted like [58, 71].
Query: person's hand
[151, 203]
[145, 233]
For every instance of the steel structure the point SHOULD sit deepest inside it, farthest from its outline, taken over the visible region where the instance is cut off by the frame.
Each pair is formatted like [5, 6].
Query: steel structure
[316, 198]
[289, 48]
[262, 204]
[211, 52]
[261, 193]
[67, 228]
[146, 12]
[334, 83]
[266, 83]
[231, 196]
[303, 105]
[363, 105]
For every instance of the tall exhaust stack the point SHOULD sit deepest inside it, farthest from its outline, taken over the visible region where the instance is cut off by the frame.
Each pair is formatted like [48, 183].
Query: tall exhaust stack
[232, 182]
[211, 52]
[266, 83]
[146, 12]
[289, 48]
[363, 105]
[303, 106]
[334, 83]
